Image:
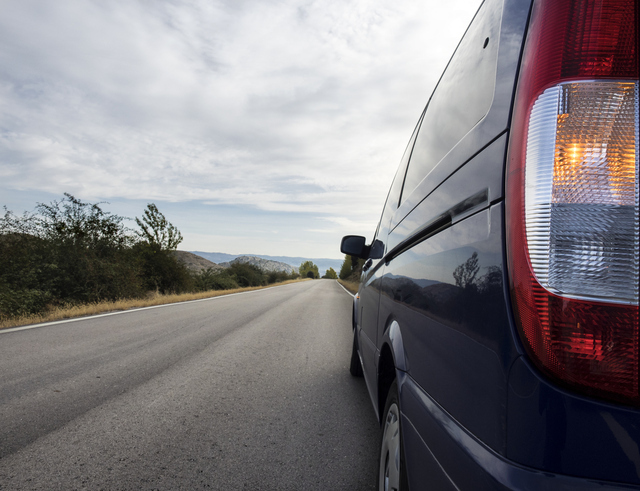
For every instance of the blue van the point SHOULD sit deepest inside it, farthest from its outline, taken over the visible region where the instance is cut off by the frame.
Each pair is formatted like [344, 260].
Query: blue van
[496, 322]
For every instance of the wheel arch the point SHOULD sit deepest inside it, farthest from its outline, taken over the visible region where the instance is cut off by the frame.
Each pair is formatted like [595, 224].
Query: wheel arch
[392, 359]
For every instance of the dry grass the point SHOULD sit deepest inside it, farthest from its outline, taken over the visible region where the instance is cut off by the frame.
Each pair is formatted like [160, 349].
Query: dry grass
[352, 286]
[73, 311]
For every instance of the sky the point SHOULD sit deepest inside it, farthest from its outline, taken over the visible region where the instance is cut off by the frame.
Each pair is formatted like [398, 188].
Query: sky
[268, 127]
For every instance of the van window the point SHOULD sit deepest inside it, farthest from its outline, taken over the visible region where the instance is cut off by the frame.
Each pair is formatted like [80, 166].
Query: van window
[393, 198]
[462, 97]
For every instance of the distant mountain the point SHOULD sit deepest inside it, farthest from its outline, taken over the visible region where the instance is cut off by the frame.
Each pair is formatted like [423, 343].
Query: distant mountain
[264, 264]
[322, 263]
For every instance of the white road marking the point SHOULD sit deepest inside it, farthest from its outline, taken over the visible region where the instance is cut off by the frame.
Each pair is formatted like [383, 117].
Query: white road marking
[89, 317]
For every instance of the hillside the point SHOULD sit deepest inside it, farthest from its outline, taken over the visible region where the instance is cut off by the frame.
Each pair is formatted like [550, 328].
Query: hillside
[194, 262]
[322, 263]
[264, 264]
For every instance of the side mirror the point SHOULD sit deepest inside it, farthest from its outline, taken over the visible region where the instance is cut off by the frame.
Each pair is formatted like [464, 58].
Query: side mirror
[354, 245]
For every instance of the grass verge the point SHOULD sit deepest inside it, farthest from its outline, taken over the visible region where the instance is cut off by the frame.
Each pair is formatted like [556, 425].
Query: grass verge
[73, 311]
[352, 286]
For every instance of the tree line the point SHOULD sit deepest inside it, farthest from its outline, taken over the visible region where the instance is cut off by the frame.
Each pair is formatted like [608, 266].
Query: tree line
[70, 252]
[351, 268]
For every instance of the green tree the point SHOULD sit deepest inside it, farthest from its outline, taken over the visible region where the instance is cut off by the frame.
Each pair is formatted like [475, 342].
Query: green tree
[162, 270]
[331, 274]
[351, 268]
[156, 230]
[309, 270]
[345, 269]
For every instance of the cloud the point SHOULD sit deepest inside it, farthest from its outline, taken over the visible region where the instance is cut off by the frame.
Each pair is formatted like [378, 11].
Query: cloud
[300, 106]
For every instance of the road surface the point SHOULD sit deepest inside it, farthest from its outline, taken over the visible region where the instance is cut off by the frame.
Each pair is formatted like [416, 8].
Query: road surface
[249, 391]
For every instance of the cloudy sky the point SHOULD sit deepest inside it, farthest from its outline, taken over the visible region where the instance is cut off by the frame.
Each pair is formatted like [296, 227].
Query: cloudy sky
[256, 126]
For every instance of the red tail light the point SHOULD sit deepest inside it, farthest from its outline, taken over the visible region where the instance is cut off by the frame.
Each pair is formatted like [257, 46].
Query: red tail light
[572, 196]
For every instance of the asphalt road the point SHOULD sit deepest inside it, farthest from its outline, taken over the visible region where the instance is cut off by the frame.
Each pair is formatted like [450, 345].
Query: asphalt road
[249, 391]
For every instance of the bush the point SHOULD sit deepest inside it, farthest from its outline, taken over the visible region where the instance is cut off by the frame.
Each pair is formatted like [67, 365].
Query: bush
[246, 274]
[73, 252]
[278, 276]
[65, 252]
[162, 271]
[22, 302]
[331, 274]
[238, 275]
[210, 279]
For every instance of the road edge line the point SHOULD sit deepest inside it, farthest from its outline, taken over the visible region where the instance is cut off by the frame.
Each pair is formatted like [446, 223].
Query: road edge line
[350, 294]
[89, 317]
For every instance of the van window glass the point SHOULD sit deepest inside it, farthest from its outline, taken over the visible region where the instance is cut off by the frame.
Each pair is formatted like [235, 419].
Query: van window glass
[393, 198]
[462, 97]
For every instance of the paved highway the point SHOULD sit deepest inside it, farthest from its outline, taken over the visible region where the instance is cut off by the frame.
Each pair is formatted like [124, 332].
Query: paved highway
[249, 391]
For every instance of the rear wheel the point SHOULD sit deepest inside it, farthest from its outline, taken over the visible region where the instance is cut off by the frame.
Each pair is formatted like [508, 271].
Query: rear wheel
[355, 367]
[391, 470]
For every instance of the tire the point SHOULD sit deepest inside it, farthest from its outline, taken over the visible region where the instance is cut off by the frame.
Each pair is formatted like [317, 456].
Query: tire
[355, 367]
[392, 472]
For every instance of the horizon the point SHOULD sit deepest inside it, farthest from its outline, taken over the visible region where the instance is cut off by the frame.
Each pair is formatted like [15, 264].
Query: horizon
[323, 263]
[264, 255]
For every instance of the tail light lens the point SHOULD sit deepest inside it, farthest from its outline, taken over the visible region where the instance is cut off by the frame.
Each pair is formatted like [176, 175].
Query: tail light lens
[572, 196]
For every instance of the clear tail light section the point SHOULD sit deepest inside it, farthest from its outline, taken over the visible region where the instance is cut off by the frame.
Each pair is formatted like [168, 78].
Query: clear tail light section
[572, 196]
[580, 190]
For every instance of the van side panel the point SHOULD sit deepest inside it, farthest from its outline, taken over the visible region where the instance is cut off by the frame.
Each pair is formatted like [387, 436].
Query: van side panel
[447, 295]
[443, 280]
